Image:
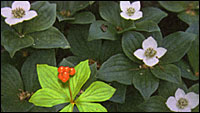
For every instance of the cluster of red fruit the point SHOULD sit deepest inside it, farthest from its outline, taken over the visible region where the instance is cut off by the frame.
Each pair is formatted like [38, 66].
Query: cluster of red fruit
[64, 73]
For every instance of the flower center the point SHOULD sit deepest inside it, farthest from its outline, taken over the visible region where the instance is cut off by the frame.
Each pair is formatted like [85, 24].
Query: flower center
[130, 11]
[150, 52]
[18, 12]
[182, 103]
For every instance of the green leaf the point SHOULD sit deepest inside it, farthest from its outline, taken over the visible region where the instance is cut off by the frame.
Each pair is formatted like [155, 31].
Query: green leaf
[120, 93]
[97, 92]
[108, 49]
[152, 13]
[117, 68]
[133, 99]
[13, 43]
[148, 26]
[194, 88]
[50, 38]
[48, 78]
[80, 47]
[169, 72]
[186, 71]
[110, 11]
[81, 76]
[145, 82]
[102, 30]
[154, 104]
[45, 19]
[11, 83]
[177, 45]
[68, 108]
[174, 6]
[47, 97]
[92, 78]
[90, 107]
[131, 41]
[69, 6]
[83, 18]
[189, 17]
[167, 89]
[28, 69]
[193, 53]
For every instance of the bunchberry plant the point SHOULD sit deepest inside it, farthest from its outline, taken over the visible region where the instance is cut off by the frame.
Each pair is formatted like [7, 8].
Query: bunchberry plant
[57, 56]
[56, 92]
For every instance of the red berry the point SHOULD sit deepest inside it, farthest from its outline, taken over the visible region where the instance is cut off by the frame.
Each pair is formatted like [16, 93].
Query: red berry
[60, 76]
[66, 69]
[72, 71]
[64, 79]
[65, 75]
[61, 69]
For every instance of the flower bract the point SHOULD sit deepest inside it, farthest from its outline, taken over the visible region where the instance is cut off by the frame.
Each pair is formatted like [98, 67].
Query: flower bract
[19, 11]
[182, 102]
[150, 52]
[130, 11]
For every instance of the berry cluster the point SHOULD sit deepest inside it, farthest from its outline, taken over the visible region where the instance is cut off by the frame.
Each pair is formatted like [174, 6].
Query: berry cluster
[64, 73]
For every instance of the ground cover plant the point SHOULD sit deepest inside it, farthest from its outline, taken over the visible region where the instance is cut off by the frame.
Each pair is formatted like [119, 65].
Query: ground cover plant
[100, 56]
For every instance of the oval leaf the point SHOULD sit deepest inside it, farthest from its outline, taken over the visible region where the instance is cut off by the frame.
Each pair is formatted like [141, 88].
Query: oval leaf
[152, 13]
[97, 92]
[102, 30]
[81, 76]
[177, 45]
[131, 41]
[145, 82]
[117, 68]
[28, 69]
[13, 43]
[11, 84]
[47, 97]
[83, 18]
[45, 19]
[148, 26]
[169, 72]
[174, 6]
[50, 38]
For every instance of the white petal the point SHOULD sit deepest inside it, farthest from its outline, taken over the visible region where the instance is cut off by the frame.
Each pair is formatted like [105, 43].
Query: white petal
[139, 53]
[160, 52]
[136, 5]
[136, 15]
[30, 14]
[149, 42]
[22, 4]
[6, 12]
[124, 15]
[193, 99]
[13, 21]
[171, 104]
[124, 5]
[187, 109]
[150, 61]
[179, 94]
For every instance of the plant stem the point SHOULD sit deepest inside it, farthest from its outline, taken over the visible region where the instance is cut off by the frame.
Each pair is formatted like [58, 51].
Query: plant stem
[71, 101]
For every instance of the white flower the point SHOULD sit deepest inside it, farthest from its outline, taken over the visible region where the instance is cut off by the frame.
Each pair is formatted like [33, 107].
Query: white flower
[150, 52]
[130, 11]
[19, 12]
[182, 102]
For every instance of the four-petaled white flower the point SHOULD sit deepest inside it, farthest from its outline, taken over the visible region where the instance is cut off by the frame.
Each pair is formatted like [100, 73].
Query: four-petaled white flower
[182, 102]
[150, 52]
[19, 12]
[130, 11]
